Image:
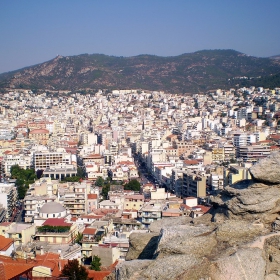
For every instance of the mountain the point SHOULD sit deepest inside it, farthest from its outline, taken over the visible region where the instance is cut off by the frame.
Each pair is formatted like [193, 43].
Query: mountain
[186, 73]
[275, 56]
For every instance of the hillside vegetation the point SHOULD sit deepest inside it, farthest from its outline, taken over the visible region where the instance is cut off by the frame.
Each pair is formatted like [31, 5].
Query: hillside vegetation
[186, 73]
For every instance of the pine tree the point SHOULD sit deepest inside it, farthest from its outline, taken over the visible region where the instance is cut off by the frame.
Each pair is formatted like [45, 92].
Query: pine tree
[95, 264]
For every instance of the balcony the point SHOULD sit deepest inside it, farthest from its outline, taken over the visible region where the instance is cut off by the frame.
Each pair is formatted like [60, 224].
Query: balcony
[89, 240]
[67, 233]
[151, 215]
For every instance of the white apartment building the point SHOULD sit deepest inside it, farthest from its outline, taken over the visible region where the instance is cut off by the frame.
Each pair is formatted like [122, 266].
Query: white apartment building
[243, 139]
[8, 198]
[22, 160]
[74, 198]
[33, 204]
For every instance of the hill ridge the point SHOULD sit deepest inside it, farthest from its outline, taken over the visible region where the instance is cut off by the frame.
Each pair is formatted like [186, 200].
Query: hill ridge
[188, 72]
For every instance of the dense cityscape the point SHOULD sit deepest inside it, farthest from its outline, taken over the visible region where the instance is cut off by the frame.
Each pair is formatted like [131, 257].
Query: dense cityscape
[81, 172]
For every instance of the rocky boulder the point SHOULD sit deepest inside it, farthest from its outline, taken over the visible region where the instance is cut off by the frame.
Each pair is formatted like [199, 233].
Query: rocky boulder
[238, 239]
[267, 169]
[142, 246]
[248, 200]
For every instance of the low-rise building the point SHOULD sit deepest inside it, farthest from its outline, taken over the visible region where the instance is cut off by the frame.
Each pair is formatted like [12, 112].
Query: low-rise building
[57, 231]
[236, 173]
[151, 212]
[20, 233]
[8, 198]
[194, 184]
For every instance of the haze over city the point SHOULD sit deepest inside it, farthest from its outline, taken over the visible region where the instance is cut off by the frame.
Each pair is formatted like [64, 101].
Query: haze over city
[33, 32]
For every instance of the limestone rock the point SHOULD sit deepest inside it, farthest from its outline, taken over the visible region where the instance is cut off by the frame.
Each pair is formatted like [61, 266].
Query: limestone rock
[156, 226]
[131, 270]
[142, 246]
[244, 264]
[194, 240]
[169, 267]
[249, 200]
[272, 253]
[267, 169]
[236, 232]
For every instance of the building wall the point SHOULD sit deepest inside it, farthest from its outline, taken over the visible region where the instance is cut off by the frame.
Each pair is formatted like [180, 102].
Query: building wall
[27, 234]
[158, 194]
[107, 255]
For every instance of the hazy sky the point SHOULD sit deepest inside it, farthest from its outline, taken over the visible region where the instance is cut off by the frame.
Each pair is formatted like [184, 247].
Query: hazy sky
[35, 31]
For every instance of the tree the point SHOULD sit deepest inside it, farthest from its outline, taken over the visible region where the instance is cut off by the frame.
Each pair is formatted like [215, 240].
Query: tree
[79, 238]
[74, 271]
[133, 185]
[71, 179]
[95, 264]
[99, 182]
[80, 172]
[24, 178]
[105, 190]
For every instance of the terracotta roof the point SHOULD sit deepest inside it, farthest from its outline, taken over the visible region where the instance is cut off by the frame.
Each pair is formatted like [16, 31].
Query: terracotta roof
[5, 243]
[56, 222]
[98, 275]
[5, 224]
[203, 208]
[191, 162]
[274, 136]
[88, 216]
[93, 156]
[126, 162]
[274, 147]
[89, 231]
[92, 196]
[38, 131]
[52, 261]
[11, 268]
[186, 207]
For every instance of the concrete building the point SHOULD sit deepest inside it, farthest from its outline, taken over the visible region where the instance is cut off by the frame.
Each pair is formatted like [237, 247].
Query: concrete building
[33, 204]
[60, 171]
[252, 153]
[56, 231]
[41, 136]
[45, 159]
[235, 173]
[8, 198]
[194, 184]
[22, 160]
[151, 212]
[19, 232]
[135, 202]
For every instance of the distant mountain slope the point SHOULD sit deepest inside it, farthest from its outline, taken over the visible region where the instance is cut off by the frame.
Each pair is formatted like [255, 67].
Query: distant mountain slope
[275, 56]
[187, 73]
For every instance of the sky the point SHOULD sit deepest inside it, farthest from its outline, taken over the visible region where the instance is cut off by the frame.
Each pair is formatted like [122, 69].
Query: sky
[36, 31]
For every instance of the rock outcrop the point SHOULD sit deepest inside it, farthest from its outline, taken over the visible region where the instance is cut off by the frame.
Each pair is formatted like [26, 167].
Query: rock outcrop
[236, 240]
[267, 169]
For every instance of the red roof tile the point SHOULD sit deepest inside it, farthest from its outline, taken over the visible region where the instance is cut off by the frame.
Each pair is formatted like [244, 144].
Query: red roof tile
[98, 275]
[11, 268]
[5, 243]
[191, 162]
[92, 196]
[56, 222]
[89, 231]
